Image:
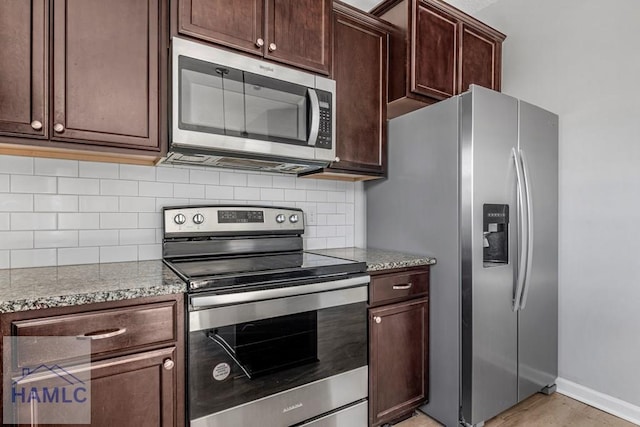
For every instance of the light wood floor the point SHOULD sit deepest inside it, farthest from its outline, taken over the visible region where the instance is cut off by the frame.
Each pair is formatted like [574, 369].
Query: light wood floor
[537, 411]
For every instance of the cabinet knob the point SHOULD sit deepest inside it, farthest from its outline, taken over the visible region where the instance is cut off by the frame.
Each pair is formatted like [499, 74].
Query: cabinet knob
[36, 125]
[58, 127]
[377, 319]
[337, 159]
[259, 42]
[272, 47]
[168, 364]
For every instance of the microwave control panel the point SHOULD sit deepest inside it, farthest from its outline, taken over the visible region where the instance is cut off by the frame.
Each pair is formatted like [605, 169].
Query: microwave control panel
[325, 132]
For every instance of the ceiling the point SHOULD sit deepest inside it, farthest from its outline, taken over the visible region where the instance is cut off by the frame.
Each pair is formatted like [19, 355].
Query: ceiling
[468, 6]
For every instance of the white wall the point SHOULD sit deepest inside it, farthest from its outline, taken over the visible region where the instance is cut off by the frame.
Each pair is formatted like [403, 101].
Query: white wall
[59, 212]
[581, 59]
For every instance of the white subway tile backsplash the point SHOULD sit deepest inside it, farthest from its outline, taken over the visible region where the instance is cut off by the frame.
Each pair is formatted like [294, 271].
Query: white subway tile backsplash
[150, 220]
[16, 239]
[68, 212]
[99, 237]
[144, 236]
[4, 183]
[260, 181]
[33, 221]
[137, 204]
[316, 196]
[295, 195]
[56, 239]
[207, 177]
[217, 192]
[78, 186]
[155, 189]
[118, 220]
[233, 179]
[326, 208]
[336, 242]
[246, 193]
[4, 221]
[149, 252]
[33, 184]
[98, 170]
[273, 194]
[16, 165]
[138, 173]
[55, 203]
[165, 174]
[284, 182]
[99, 203]
[78, 221]
[192, 191]
[5, 259]
[112, 187]
[56, 167]
[118, 253]
[16, 202]
[72, 256]
[33, 258]
[336, 196]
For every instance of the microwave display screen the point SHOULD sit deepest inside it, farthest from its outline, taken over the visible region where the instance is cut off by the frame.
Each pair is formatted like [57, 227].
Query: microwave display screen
[222, 100]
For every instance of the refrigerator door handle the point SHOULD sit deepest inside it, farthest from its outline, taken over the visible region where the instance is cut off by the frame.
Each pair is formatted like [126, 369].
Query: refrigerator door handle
[522, 232]
[527, 187]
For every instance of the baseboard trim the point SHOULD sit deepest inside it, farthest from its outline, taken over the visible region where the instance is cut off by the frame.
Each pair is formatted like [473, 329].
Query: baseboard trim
[604, 402]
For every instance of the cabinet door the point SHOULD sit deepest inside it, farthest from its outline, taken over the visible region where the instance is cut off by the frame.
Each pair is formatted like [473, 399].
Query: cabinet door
[398, 359]
[360, 72]
[480, 60]
[105, 72]
[238, 24]
[23, 69]
[135, 390]
[299, 33]
[434, 52]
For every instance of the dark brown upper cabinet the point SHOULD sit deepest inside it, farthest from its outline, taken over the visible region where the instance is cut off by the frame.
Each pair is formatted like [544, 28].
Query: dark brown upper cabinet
[23, 83]
[293, 32]
[437, 51]
[99, 90]
[359, 67]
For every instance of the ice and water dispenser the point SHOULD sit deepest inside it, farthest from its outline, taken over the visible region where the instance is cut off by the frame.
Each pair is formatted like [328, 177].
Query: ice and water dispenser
[495, 231]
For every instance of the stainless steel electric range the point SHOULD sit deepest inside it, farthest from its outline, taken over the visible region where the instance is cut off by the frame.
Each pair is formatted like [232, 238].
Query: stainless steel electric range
[276, 336]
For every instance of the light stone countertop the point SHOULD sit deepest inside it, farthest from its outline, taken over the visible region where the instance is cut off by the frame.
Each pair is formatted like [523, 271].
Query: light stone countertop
[378, 259]
[24, 289]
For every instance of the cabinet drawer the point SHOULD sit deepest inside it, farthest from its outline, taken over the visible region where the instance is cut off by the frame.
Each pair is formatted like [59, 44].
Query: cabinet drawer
[109, 330]
[397, 286]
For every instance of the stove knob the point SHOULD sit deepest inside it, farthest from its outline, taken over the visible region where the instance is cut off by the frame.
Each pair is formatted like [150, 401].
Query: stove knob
[293, 218]
[198, 218]
[180, 219]
[280, 218]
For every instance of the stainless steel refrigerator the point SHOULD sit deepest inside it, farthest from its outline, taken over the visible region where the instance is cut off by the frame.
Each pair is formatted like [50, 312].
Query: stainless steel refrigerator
[473, 181]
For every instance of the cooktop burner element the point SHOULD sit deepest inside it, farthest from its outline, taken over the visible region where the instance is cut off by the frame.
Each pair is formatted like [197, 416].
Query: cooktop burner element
[233, 248]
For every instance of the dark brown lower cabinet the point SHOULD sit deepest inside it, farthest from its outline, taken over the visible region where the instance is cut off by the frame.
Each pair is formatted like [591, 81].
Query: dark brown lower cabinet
[398, 356]
[137, 359]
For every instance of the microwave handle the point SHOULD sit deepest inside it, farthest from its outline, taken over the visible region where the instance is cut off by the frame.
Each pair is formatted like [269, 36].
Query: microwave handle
[315, 117]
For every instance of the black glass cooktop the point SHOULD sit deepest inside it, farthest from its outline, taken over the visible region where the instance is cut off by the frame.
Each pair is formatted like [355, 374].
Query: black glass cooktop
[235, 273]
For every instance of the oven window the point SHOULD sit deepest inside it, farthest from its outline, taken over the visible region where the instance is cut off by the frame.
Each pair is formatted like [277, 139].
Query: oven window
[236, 364]
[226, 101]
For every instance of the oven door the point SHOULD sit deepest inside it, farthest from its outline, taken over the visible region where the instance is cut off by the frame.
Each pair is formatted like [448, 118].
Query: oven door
[279, 357]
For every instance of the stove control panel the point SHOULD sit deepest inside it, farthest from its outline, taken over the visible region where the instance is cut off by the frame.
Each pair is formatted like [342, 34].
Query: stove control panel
[225, 219]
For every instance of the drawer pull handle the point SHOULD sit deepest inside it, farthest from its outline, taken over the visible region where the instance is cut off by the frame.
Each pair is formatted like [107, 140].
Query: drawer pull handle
[100, 335]
[402, 287]
[377, 319]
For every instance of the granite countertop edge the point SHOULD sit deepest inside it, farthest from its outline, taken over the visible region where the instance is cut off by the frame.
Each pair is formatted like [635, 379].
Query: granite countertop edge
[55, 301]
[379, 259]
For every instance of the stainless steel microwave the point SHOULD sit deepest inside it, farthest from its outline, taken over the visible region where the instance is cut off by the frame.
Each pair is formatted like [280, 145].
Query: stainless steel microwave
[231, 110]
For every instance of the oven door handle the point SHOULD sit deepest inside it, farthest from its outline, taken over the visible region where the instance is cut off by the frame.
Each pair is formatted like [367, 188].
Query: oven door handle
[265, 294]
